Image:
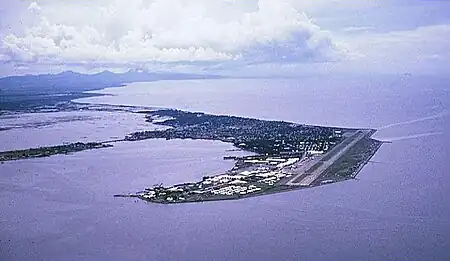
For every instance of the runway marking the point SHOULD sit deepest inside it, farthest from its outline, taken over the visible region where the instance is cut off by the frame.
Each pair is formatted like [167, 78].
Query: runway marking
[312, 171]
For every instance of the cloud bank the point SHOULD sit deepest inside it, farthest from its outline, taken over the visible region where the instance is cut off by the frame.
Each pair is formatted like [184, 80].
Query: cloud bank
[423, 49]
[167, 31]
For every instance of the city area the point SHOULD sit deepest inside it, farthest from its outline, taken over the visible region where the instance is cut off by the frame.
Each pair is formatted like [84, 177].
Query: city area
[285, 155]
[288, 156]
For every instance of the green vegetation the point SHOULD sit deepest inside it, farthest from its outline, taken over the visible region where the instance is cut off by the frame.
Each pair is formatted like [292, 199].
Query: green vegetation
[259, 136]
[281, 148]
[49, 151]
[288, 155]
[350, 163]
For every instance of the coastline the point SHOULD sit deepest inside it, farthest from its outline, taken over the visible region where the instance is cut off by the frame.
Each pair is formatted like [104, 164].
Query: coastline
[77, 104]
[164, 117]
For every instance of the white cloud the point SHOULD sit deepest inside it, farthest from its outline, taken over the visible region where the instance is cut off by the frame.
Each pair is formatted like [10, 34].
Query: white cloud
[358, 29]
[421, 50]
[145, 31]
[424, 50]
[34, 7]
[223, 36]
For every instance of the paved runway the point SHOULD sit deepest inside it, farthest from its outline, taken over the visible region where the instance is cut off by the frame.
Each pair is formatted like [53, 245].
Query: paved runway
[312, 170]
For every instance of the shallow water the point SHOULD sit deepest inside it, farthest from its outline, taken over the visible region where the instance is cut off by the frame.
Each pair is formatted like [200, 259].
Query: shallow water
[54, 128]
[61, 208]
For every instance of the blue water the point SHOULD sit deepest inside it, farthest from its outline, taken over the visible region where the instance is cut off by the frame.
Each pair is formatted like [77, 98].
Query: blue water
[61, 208]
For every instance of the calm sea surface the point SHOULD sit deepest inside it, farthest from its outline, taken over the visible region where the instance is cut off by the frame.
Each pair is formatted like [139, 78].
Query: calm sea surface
[61, 208]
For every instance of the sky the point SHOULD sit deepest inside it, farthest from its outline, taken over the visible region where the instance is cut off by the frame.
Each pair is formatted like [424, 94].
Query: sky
[230, 37]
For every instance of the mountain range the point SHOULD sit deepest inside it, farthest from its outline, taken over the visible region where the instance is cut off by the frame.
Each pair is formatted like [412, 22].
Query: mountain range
[29, 93]
[70, 81]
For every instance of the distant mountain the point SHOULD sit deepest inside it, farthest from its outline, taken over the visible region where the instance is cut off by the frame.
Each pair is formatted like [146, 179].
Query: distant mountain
[76, 82]
[29, 93]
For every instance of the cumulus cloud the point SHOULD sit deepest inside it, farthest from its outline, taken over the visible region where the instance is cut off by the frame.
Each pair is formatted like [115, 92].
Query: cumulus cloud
[146, 31]
[34, 7]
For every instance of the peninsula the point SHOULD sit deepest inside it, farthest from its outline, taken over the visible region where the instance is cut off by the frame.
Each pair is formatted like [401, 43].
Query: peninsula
[287, 156]
[50, 151]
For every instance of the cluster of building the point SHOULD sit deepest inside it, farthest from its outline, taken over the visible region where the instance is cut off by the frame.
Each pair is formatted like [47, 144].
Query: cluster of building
[233, 190]
[259, 136]
[259, 175]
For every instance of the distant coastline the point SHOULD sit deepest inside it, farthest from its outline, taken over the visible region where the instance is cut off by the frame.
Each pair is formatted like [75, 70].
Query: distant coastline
[286, 156]
[34, 93]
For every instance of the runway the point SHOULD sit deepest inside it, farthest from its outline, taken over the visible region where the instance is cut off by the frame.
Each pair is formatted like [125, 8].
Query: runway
[311, 170]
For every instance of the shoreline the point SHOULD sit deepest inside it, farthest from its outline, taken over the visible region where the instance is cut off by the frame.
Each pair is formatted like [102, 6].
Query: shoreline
[317, 180]
[207, 189]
